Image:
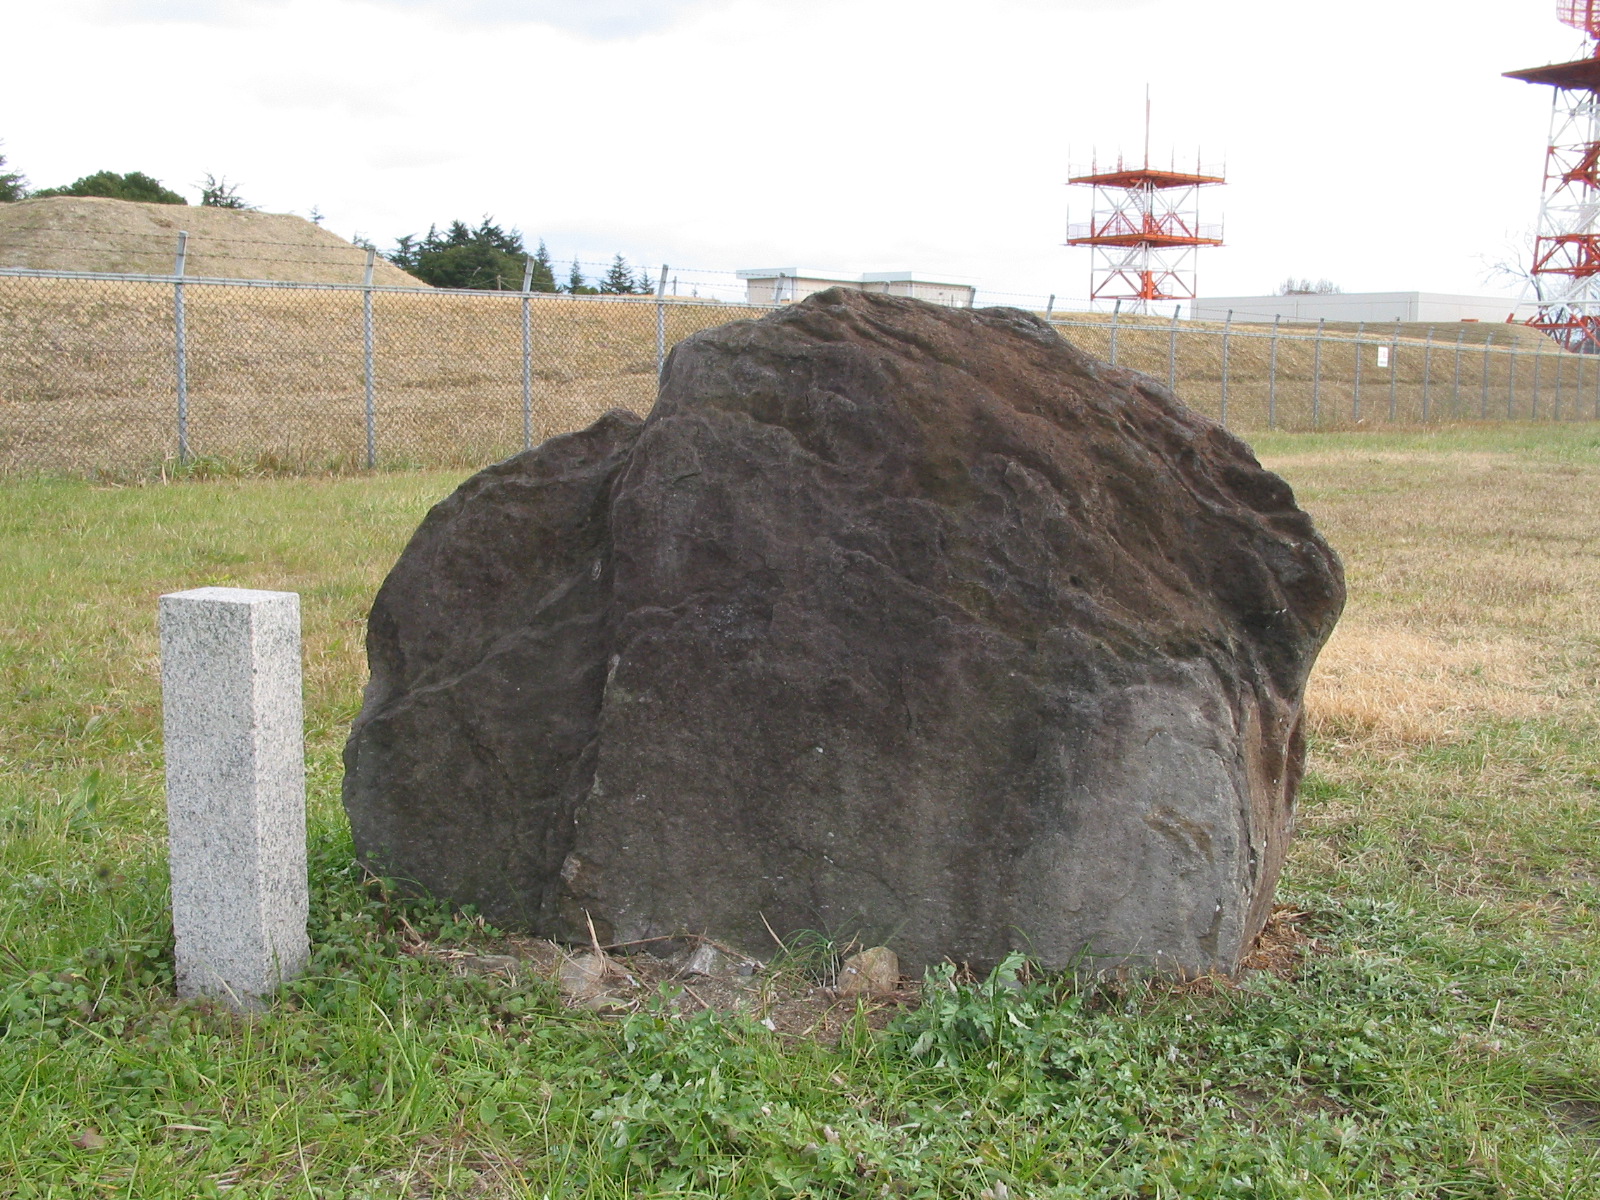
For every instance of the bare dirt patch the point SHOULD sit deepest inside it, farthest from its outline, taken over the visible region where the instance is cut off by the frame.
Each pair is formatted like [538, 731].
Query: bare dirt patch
[690, 974]
[791, 1000]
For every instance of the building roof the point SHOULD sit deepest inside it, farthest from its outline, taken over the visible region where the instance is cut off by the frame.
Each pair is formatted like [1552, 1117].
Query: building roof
[1364, 297]
[907, 277]
[839, 277]
[792, 273]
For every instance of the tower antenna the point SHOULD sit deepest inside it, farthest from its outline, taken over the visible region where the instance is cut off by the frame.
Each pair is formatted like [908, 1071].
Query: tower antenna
[1147, 124]
[1566, 248]
[1144, 230]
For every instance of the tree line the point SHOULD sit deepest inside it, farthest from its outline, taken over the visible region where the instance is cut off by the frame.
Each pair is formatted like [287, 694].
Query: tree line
[485, 256]
[491, 258]
[215, 191]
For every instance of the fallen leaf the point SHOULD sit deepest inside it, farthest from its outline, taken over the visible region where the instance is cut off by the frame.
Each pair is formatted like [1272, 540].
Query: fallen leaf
[89, 1139]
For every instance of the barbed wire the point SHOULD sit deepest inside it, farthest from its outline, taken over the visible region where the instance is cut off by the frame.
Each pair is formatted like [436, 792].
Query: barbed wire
[722, 285]
[196, 243]
[202, 247]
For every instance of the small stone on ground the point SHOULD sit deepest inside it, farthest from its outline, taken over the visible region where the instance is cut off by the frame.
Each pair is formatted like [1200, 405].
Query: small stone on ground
[873, 972]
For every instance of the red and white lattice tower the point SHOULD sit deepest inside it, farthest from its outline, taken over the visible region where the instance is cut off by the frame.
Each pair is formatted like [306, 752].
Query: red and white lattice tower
[1566, 254]
[1144, 231]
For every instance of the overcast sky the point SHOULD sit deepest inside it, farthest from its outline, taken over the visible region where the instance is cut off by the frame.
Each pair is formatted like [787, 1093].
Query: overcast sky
[1372, 142]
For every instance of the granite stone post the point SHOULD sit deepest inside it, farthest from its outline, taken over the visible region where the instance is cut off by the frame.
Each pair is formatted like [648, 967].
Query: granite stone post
[230, 686]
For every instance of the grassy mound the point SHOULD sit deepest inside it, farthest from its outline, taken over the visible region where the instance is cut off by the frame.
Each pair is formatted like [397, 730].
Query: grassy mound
[80, 233]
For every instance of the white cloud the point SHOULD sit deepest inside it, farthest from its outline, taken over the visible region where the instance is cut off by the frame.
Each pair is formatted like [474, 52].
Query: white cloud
[593, 18]
[1382, 149]
[187, 12]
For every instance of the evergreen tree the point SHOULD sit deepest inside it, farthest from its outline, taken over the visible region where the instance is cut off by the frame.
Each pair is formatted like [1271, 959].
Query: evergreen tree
[217, 192]
[506, 242]
[13, 185]
[544, 271]
[575, 282]
[645, 285]
[135, 185]
[487, 257]
[618, 279]
[405, 253]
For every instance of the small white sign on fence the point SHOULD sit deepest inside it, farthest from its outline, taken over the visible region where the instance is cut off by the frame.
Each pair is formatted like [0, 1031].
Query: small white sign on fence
[1383, 356]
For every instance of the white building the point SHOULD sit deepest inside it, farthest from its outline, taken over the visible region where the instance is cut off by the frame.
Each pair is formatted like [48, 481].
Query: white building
[781, 285]
[1372, 307]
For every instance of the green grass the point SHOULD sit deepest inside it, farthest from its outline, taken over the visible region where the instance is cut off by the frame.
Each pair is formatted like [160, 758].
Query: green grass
[1443, 1043]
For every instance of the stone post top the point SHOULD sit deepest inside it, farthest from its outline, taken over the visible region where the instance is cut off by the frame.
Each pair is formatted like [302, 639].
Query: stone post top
[230, 595]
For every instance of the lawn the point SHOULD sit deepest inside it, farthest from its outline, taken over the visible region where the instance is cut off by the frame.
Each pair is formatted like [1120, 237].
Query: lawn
[1435, 1031]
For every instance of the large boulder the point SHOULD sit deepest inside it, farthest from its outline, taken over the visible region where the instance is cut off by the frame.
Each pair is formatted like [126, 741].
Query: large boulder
[896, 622]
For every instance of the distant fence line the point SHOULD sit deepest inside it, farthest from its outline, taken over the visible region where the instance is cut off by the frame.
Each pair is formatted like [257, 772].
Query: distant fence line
[117, 374]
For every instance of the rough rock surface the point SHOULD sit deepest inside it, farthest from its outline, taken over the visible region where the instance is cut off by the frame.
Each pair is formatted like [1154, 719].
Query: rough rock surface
[902, 623]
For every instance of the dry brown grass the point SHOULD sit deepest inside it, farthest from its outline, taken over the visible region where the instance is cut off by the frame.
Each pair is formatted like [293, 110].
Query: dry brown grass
[1474, 585]
[83, 233]
[1315, 390]
[1472, 333]
[88, 379]
[1402, 687]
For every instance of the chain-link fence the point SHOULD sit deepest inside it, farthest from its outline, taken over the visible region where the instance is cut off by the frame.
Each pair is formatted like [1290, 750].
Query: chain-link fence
[1299, 377]
[117, 375]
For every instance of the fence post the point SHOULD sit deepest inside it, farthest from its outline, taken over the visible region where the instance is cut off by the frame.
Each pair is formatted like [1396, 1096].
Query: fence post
[1427, 371]
[1483, 406]
[527, 353]
[1355, 394]
[1172, 355]
[1556, 415]
[1394, 369]
[1511, 386]
[1455, 382]
[180, 335]
[1272, 376]
[1227, 327]
[1049, 306]
[1116, 313]
[1316, 374]
[1538, 355]
[661, 324]
[371, 408]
